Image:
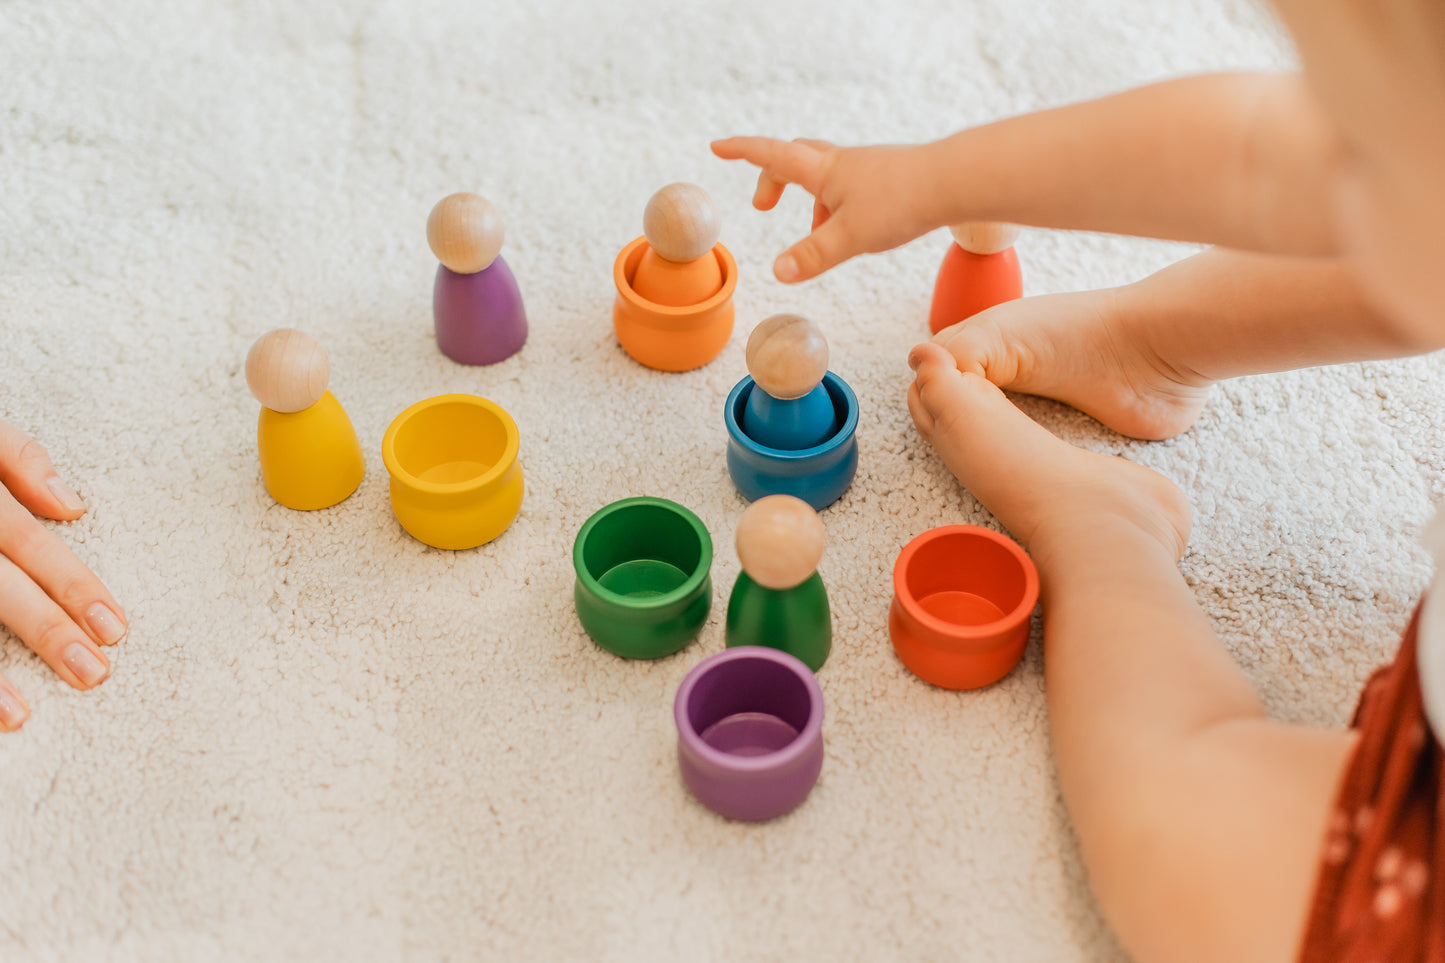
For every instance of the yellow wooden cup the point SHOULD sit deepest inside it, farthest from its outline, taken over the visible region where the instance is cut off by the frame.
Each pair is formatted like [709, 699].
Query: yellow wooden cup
[455, 480]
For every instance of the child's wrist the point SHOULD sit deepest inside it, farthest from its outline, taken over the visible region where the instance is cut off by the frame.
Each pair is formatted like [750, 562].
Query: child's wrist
[961, 186]
[940, 196]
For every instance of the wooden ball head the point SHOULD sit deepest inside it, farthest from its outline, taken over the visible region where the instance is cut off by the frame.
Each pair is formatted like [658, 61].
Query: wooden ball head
[287, 370]
[465, 232]
[985, 237]
[681, 223]
[780, 541]
[787, 356]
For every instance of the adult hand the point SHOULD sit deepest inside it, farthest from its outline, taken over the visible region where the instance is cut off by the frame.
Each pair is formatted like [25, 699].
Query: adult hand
[48, 598]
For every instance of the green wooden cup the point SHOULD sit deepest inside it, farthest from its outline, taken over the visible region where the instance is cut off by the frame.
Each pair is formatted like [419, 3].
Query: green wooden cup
[643, 587]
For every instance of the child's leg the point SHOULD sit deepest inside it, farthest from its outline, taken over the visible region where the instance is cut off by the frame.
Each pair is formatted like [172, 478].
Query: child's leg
[1201, 821]
[1141, 358]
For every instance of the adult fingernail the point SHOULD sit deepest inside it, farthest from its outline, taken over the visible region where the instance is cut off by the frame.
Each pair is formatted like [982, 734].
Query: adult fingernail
[12, 712]
[85, 664]
[106, 625]
[65, 495]
[786, 267]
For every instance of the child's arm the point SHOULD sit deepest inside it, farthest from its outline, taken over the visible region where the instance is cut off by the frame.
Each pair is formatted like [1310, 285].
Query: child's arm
[1242, 160]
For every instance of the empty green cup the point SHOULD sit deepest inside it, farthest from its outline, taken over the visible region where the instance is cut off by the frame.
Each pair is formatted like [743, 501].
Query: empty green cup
[643, 586]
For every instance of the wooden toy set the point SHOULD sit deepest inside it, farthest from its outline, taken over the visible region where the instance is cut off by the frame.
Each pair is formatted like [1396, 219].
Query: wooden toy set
[674, 307]
[476, 302]
[749, 719]
[310, 456]
[790, 421]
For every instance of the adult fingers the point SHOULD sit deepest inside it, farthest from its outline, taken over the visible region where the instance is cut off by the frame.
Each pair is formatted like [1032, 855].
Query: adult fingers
[50, 564]
[25, 469]
[48, 631]
[13, 710]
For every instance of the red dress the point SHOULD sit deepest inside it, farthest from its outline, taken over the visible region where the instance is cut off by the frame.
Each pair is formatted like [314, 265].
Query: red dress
[1378, 896]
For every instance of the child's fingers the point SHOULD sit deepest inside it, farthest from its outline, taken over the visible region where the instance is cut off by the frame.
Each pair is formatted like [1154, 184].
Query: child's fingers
[814, 254]
[13, 710]
[768, 193]
[820, 214]
[25, 469]
[815, 143]
[782, 163]
[786, 162]
[729, 148]
[770, 187]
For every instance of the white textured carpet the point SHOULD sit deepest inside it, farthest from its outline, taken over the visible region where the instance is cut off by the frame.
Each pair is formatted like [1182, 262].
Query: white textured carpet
[323, 740]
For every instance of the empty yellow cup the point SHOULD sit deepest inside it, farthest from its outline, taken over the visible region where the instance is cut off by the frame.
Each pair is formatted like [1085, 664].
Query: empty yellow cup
[455, 480]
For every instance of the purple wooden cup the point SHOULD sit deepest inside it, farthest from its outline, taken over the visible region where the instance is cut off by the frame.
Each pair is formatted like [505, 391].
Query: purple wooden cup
[750, 732]
[479, 317]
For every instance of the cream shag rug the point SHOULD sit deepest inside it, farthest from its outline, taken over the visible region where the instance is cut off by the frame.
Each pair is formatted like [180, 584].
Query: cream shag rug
[324, 740]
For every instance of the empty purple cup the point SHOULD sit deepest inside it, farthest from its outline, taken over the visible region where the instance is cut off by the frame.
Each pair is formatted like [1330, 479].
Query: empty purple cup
[750, 732]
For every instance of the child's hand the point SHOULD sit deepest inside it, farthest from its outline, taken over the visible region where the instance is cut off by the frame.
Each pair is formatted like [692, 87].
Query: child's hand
[865, 199]
[47, 596]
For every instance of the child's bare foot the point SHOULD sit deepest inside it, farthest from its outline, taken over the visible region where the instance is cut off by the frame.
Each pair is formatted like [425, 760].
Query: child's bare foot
[1078, 348]
[1030, 480]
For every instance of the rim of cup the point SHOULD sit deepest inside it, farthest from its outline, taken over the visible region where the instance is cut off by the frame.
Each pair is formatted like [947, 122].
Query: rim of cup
[401, 422]
[701, 571]
[800, 745]
[835, 386]
[621, 269]
[1012, 616]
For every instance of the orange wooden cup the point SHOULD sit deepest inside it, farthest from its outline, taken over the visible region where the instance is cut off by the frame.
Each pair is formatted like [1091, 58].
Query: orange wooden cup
[962, 597]
[672, 338]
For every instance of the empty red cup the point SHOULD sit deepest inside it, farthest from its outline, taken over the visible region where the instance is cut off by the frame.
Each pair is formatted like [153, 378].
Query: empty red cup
[962, 597]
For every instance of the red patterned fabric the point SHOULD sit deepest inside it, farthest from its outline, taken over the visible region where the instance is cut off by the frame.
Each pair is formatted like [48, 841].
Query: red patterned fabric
[1377, 898]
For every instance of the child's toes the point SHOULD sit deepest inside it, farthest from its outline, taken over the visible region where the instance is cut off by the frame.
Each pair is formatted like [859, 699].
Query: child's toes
[922, 420]
[999, 454]
[953, 402]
